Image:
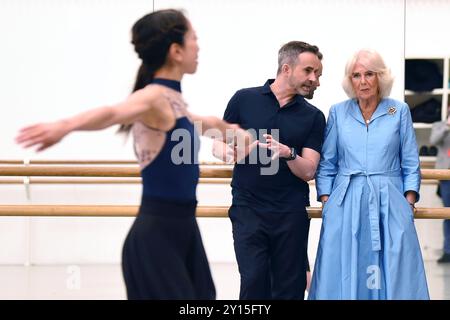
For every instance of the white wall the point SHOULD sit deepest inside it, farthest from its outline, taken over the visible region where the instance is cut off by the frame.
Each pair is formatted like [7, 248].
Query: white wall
[62, 57]
[427, 28]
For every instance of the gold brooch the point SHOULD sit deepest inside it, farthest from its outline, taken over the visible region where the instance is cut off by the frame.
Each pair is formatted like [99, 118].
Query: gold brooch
[392, 110]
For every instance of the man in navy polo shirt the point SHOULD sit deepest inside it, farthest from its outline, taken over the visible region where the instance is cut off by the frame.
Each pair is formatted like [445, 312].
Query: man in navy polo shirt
[268, 214]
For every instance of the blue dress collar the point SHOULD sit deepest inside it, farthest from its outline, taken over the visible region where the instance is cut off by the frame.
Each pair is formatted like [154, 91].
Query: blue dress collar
[173, 84]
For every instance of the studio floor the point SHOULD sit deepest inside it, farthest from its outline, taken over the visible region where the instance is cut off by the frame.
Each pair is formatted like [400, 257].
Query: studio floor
[104, 282]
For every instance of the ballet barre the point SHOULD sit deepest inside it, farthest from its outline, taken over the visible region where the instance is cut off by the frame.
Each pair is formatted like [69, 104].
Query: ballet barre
[209, 174]
[99, 171]
[106, 180]
[206, 171]
[424, 164]
[131, 211]
[87, 162]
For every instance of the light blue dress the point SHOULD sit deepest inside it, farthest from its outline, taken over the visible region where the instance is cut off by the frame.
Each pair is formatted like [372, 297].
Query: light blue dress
[368, 247]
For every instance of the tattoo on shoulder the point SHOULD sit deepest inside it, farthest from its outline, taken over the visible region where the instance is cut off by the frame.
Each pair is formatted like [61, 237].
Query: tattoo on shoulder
[178, 105]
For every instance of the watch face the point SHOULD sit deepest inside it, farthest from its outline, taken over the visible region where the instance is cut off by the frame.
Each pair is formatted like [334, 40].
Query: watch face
[293, 154]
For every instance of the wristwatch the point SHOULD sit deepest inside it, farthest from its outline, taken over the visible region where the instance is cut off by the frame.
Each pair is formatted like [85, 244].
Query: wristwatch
[292, 155]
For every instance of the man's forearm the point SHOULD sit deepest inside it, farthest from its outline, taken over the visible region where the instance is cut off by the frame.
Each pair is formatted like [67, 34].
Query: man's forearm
[303, 168]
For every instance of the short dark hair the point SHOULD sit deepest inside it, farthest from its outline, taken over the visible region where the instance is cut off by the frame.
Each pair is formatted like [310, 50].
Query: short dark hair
[289, 52]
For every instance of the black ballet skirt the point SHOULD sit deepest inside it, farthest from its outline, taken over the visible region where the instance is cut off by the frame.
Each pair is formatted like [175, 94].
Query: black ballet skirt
[163, 255]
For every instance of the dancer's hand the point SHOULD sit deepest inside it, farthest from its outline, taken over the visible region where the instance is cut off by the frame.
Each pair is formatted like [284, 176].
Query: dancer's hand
[243, 144]
[43, 135]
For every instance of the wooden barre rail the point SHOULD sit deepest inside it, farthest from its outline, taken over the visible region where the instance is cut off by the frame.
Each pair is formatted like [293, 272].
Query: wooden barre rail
[88, 180]
[92, 211]
[131, 211]
[100, 171]
[426, 164]
[89, 162]
[136, 180]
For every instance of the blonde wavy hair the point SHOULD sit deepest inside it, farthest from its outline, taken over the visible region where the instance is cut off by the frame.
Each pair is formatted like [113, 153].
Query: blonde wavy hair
[372, 61]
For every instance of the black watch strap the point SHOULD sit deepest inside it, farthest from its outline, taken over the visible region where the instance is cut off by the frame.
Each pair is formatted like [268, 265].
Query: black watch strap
[292, 155]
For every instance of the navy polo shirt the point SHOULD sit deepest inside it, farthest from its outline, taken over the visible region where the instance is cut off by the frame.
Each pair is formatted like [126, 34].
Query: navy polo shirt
[300, 125]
